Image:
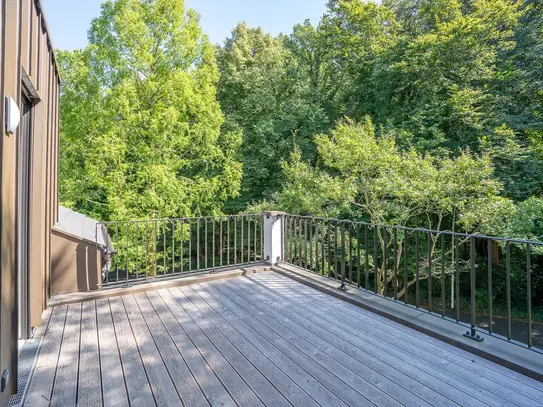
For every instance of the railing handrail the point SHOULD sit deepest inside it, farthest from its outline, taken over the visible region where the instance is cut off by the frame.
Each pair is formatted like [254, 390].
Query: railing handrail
[421, 229]
[196, 218]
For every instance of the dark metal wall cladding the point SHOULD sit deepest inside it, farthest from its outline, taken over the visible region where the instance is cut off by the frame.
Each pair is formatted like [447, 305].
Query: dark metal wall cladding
[27, 54]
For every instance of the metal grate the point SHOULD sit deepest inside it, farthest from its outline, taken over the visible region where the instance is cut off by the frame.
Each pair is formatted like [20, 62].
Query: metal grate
[27, 359]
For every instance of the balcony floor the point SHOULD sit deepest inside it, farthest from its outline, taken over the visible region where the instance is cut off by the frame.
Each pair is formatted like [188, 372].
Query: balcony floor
[256, 340]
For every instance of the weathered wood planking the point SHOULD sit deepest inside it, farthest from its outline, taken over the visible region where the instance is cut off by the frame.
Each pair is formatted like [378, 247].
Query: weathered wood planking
[233, 382]
[440, 352]
[497, 384]
[187, 387]
[139, 391]
[65, 386]
[41, 384]
[220, 315]
[211, 386]
[112, 375]
[90, 384]
[260, 340]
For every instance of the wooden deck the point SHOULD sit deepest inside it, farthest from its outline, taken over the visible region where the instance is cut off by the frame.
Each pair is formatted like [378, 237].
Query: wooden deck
[257, 340]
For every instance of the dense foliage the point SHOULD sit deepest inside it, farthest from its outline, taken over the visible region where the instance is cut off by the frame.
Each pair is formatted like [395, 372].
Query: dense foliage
[443, 101]
[421, 113]
[141, 125]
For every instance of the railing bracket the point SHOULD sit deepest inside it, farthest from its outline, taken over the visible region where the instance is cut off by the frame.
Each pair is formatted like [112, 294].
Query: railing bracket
[474, 336]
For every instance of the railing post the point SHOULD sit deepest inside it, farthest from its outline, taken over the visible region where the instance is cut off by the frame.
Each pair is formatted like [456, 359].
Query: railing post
[273, 238]
[472, 334]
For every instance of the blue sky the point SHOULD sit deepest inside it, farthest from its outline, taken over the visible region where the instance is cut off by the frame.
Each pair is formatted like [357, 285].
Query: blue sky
[69, 20]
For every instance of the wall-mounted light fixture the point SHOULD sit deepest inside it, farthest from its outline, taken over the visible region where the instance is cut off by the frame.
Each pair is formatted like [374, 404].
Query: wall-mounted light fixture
[13, 115]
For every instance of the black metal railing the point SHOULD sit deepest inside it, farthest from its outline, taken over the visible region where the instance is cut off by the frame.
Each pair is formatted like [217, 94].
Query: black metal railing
[483, 282]
[142, 249]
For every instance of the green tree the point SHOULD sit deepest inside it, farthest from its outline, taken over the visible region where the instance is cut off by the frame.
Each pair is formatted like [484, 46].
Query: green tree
[365, 177]
[141, 126]
[261, 94]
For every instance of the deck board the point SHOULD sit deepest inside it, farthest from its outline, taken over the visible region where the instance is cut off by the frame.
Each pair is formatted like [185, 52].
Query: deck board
[65, 387]
[137, 383]
[89, 386]
[256, 340]
[188, 388]
[327, 329]
[454, 355]
[41, 385]
[498, 384]
[213, 389]
[114, 390]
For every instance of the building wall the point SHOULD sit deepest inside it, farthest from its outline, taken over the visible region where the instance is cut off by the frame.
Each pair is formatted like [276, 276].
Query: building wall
[75, 264]
[27, 55]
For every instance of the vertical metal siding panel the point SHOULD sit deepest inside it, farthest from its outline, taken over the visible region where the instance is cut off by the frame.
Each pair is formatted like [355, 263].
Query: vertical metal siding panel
[4, 336]
[57, 156]
[46, 126]
[36, 38]
[8, 195]
[40, 261]
[26, 39]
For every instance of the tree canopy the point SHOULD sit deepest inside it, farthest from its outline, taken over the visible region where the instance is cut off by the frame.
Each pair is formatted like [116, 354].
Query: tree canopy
[415, 112]
[141, 124]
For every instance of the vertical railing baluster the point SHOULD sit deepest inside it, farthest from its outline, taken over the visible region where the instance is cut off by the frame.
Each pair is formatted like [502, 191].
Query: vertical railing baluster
[317, 268]
[221, 246]
[358, 271]
[118, 248]
[291, 240]
[242, 240]
[489, 288]
[235, 240]
[164, 258]
[473, 293]
[146, 249]
[127, 251]
[305, 243]
[430, 271]
[249, 239]
[155, 249]
[323, 253]
[198, 244]
[405, 267]
[181, 254]
[301, 241]
[508, 287]
[336, 264]
[457, 280]
[351, 227]
[310, 246]
[529, 291]
[342, 287]
[255, 236]
[329, 250]
[417, 270]
[395, 248]
[443, 276]
[190, 245]
[173, 246]
[109, 255]
[366, 263]
[385, 262]
[205, 243]
[228, 240]
[375, 259]
[214, 219]
[136, 224]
